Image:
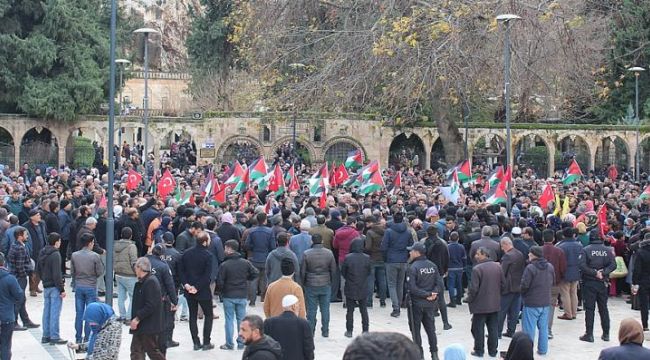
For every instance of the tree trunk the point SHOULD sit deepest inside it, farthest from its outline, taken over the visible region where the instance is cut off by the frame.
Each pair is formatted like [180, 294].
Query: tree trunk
[452, 141]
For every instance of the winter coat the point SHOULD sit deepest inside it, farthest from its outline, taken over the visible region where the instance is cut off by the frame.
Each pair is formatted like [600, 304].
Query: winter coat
[227, 232]
[65, 224]
[278, 290]
[484, 293]
[572, 252]
[52, 223]
[342, 239]
[126, 253]
[326, 234]
[438, 253]
[396, 240]
[11, 294]
[273, 264]
[596, 256]
[355, 270]
[264, 349]
[185, 241]
[555, 256]
[294, 335]
[37, 242]
[85, 268]
[234, 275]
[493, 247]
[539, 277]
[422, 279]
[457, 256]
[147, 306]
[48, 267]
[641, 270]
[318, 267]
[512, 265]
[259, 243]
[373, 240]
[299, 243]
[195, 269]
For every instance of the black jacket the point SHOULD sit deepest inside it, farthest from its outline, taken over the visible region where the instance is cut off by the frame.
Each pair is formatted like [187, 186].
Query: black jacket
[423, 278]
[165, 278]
[294, 335]
[48, 267]
[234, 275]
[52, 223]
[185, 241]
[37, 243]
[641, 271]
[147, 306]
[172, 257]
[355, 270]
[318, 266]
[265, 349]
[195, 269]
[596, 256]
[138, 232]
[438, 253]
[227, 232]
[512, 264]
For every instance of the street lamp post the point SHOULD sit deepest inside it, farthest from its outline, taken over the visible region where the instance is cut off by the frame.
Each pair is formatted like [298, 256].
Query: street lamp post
[295, 67]
[123, 63]
[110, 221]
[637, 163]
[146, 32]
[506, 20]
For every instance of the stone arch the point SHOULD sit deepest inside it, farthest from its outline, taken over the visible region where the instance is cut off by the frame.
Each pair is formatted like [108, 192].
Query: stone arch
[438, 156]
[406, 150]
[531, 151]
[84, 147]
[612, 150]
[489, 149]
[239, 147]
[644, 154]
[304, 148]
[7, 149]
[39, 147]
[330, 153]
[570, 146]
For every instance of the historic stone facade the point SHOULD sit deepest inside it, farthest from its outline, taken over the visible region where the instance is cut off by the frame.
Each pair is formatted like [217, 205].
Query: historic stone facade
[319, 135]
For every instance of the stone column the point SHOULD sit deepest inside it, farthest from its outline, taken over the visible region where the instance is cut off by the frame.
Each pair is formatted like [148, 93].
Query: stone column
[631, 158]
[550, 145]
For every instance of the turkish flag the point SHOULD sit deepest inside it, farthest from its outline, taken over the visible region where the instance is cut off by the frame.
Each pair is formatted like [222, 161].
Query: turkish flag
[612, 173]
[133, 180]
[166, 185]
[602, 220]
[547, 196]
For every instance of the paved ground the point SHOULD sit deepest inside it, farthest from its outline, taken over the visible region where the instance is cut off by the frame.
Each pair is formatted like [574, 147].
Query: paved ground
[565, 345]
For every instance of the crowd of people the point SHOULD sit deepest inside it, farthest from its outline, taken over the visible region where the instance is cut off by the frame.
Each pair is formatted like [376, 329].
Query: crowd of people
[410, 249]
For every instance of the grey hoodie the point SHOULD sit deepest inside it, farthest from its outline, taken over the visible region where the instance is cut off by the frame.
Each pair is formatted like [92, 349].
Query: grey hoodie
[536, 283]
[274, 261]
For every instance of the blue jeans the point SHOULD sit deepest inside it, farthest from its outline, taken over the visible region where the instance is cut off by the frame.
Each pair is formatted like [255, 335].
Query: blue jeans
[125, 286]
[378, 271]
[316, 296]
[510, 306]
[536, 318]
[51, 313]
[455, 284]
[6, 333]
[396, 274]
[82, 297]
[182, 304]
[233, 308]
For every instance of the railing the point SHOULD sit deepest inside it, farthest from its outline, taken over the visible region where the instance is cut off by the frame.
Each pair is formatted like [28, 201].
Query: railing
[159, 75]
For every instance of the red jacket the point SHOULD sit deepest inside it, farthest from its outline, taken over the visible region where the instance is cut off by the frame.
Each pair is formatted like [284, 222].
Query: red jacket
[555, 256]
[342, 239]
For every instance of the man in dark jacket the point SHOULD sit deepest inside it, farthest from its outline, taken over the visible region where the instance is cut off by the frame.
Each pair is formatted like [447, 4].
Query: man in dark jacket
[187, 239]
[227, 231]
[258, 345]
[484, 298]
[38, 238]
[438, 253]
[195, 269]
[374, 236]
[49, 268]
[596, 263]
[65, 226]
[291, 331]
[396, 239]
[355, 270]
[641, 278]
[169, 294]
[11, 295]
[51, 219]
[457, 263]
[536, 284]
[555, 256]
[424, 284]
[493, 247]
[317, 272]
[569, 285]
[146, 318]
[234, 275]
[512, 265]
[274, 260]
[259, 244]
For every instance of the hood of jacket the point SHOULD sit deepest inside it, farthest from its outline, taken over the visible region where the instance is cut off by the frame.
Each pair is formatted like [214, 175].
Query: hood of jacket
[378, 229]
[398, 227]
[266, 343]
[280, 253]
[540, 263]
[122, 245]
[47, 251]
[356, 246]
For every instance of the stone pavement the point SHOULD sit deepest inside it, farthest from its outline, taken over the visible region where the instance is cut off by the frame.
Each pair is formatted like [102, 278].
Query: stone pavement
[565, 345]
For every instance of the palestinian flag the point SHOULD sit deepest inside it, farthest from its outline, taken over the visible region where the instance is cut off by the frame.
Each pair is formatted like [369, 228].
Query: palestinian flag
[219, 196]
[496, 177]
[464, 170]
[546, 197]
[291, 178]
[374, 183]
[339, 175]
[397, 183]
[243, 200]
[315, 180]
[243, 183]
[321, 192]
[182, 196]
[498, 196]
[451, 192]
[209, 186]
[235, 177]
[572, 174]
[363, 174]
[276, 181]
[645, 194]
[354, 160]
[259, 172]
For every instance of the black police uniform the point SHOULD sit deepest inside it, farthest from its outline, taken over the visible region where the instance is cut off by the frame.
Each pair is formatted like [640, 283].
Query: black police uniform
[423, 278]
[161, 270]
[596, 256]
[172, 257]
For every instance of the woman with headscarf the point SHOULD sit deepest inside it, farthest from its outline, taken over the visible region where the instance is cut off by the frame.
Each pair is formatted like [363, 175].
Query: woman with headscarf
[521, 347]
[105, 336]
[165, 226]
[630, 336]
[455, 352]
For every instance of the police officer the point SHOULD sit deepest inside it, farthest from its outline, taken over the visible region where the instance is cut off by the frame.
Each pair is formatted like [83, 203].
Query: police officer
[172, 257]
[168, 290]
[424, 285]
[596, 263]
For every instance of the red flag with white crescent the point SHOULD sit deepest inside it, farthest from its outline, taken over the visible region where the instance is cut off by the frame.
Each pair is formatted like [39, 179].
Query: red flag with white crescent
[133, 180]
[166, 185]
